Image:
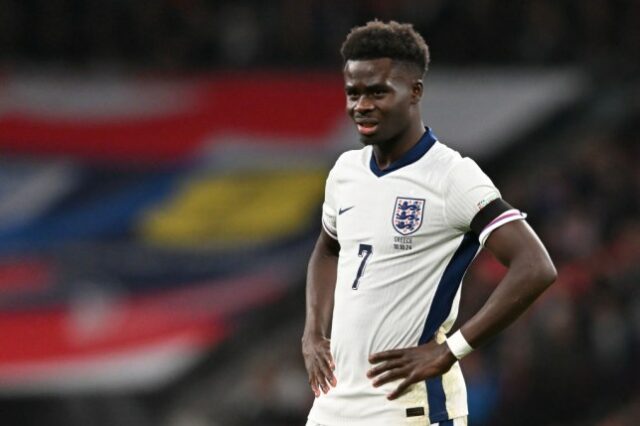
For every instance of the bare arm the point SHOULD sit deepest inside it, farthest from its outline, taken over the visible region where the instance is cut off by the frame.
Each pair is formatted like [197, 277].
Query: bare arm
[530, 272]
[321, 284]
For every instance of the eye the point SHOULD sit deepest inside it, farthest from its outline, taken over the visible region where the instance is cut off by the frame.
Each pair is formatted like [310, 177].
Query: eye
[379, 93]
[352, 95]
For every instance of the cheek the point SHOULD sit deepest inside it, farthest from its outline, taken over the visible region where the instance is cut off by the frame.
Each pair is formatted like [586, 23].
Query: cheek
[400, 108]
[398, 111]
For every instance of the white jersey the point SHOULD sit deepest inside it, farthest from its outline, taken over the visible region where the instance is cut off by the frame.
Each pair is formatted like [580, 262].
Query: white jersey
[405, 244]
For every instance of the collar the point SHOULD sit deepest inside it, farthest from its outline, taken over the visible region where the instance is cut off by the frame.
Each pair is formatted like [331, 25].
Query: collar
[414, 154]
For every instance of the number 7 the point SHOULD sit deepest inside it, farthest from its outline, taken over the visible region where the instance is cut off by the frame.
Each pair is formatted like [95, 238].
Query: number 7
[364, 251]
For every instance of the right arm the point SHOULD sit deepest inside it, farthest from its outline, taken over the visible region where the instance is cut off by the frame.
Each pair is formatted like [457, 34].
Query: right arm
[321, 284]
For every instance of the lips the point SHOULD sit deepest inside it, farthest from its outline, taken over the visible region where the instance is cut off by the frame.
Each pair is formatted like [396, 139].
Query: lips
[367, 127]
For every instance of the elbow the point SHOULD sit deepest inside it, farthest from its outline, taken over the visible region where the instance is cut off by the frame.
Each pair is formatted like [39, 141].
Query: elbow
[544, 273]
[550, 274]
[537, 270]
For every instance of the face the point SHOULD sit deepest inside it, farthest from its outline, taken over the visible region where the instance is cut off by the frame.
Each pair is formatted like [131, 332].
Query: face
[381, 98]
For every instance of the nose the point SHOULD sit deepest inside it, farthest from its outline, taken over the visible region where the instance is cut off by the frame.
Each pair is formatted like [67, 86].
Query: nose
[363, 104]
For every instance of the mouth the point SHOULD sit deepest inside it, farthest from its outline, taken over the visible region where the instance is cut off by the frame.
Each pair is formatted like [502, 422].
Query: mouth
[367, 128]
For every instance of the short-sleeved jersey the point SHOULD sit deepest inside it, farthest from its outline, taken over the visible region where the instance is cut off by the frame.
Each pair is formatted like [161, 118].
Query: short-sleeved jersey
[405, 244]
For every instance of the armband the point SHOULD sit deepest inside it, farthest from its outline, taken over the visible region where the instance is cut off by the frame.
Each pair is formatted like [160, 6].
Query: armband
[492, 216]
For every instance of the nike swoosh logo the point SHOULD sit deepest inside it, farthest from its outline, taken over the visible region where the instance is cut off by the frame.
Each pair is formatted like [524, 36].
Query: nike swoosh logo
[344, 210]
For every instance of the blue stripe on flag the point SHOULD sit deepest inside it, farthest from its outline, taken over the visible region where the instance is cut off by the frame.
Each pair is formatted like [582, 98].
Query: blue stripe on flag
[440, 309]
[104, 210]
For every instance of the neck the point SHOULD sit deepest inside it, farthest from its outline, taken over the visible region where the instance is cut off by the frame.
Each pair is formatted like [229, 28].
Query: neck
[393, 149]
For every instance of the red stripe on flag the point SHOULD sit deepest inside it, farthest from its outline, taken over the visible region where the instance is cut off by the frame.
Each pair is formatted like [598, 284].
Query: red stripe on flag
[295, 109]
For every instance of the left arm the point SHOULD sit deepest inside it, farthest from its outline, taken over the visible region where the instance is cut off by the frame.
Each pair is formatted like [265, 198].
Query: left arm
[530, 272]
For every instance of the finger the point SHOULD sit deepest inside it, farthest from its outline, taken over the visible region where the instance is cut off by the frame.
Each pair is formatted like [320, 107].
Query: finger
[328, 357]
[381, 368]
[332, 364]
[332, 380]
[390, 376]
[321, 382]
[386, 355]
[317, 378]
[314, 388]
[325, 367]
[400, 389]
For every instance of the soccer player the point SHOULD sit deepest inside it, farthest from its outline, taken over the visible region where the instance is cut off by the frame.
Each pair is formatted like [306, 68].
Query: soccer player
[402, 220]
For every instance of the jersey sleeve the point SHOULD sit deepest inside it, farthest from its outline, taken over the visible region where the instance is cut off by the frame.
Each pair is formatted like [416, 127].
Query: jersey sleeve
[329, 209]
[473, 203]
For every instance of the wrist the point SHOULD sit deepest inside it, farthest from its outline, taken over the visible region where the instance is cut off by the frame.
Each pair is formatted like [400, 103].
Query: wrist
[312, 334]
[458, 345]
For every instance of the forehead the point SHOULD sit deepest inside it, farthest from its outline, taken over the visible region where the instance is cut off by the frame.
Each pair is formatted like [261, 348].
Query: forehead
[371, 71]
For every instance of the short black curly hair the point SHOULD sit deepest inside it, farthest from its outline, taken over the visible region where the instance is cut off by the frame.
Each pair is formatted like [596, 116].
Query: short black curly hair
[377, 39]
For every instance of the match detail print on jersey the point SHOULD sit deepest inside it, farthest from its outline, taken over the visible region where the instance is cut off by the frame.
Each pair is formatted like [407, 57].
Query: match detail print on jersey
[408, 214]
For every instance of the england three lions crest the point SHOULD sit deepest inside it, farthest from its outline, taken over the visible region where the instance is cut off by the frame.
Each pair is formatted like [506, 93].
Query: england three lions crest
[407, 215]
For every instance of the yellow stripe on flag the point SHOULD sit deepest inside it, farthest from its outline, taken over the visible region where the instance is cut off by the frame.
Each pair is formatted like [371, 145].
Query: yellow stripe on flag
[238, 209]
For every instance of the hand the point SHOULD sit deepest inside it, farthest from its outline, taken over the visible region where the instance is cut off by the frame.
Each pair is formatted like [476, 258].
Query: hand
[319, 363]
[411, 364]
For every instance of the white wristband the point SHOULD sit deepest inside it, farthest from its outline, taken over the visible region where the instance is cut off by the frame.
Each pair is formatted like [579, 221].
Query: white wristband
[458, 345]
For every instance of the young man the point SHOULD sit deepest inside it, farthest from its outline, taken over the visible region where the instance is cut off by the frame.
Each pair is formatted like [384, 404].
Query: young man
[403, 218]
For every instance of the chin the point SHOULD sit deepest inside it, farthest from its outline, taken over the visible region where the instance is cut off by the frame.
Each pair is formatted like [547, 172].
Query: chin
[369, 140]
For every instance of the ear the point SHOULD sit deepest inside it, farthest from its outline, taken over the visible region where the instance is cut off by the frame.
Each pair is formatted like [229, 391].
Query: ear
[417, 88]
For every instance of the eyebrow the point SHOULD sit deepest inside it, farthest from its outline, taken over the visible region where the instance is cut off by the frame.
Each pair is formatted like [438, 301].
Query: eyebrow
[371, 88]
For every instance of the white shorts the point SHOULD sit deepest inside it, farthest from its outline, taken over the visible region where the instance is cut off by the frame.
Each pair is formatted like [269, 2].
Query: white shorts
[458, 421]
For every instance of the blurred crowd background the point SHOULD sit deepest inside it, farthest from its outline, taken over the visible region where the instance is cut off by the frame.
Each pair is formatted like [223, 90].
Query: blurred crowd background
[201, 34]
[161, 174]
